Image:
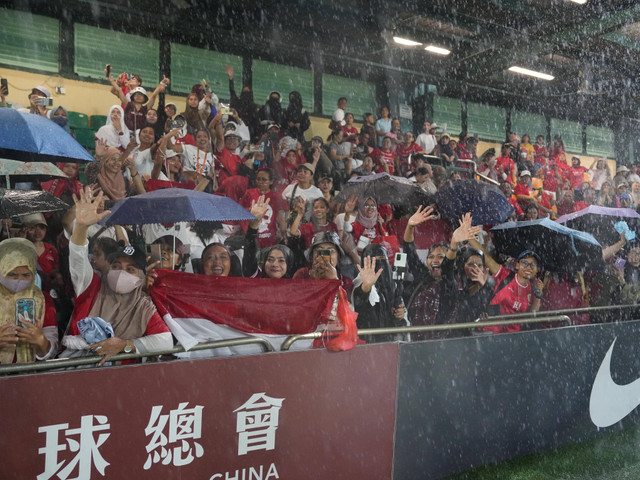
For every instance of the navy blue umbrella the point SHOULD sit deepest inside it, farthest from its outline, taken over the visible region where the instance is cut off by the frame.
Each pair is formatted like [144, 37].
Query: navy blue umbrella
[562, 249]
[485, 201]
[33, 138]
[175, 205]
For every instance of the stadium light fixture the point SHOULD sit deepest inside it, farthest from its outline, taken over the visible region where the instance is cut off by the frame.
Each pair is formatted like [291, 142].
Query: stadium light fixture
[438, 50]
[406, 41]
[531, 73]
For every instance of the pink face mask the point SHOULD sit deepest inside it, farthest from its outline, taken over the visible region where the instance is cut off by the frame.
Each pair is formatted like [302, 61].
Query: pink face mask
[122, 282]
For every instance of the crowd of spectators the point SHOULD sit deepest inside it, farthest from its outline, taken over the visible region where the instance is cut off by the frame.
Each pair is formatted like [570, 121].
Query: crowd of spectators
[72, 275]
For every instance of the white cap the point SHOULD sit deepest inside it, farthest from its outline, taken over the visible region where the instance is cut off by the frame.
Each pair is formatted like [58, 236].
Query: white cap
[44, 90]
[525, 173]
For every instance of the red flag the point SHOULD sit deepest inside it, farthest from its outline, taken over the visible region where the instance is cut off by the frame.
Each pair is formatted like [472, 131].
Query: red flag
[194, 306]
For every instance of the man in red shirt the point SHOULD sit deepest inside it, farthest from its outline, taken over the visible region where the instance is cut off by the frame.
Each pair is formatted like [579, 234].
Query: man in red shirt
[507, 190]
[523, 192]
[519, 295]
[505, 166]
[226, 161]
[403, 150]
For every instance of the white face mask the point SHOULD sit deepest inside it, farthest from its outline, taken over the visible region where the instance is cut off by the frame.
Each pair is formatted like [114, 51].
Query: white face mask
[122, 282]
[13, 285]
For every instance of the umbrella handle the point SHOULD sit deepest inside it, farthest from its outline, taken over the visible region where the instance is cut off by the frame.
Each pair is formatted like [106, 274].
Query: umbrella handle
[573, 244]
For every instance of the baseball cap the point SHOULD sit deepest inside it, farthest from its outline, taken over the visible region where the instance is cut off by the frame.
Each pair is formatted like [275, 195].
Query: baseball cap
[33, 219]
[529, 253]
[134, 254]
[40, 89]
[308, 166]
[525, 173]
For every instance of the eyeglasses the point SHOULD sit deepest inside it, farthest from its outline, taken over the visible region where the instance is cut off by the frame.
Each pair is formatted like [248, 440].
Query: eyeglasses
[528, 264]
[370, 206]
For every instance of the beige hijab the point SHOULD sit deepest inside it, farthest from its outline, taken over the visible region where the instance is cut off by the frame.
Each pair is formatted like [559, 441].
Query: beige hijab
[18, 252]
[112, 183]
[128, 313]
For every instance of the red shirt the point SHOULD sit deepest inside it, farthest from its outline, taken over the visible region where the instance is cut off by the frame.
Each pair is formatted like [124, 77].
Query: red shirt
[576, 176]
[308, 230]
[383, 158]
[403, 152]
[463, 153]
[49, 259]
[135, 119]
[350, 131]
[505, 165]
[226, 164]
[521, 189]
[268, 227]
[514, 298]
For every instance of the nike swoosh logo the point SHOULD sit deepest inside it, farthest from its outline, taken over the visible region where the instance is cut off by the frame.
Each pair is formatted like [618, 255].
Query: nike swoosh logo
[609, 401]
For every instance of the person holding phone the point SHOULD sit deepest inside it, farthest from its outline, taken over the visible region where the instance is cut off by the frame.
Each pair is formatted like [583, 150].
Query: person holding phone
[28, 329]
[39, 100]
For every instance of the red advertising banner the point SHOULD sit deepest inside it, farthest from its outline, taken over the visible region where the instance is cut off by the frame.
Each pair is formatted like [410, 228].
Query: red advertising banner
[311, 414]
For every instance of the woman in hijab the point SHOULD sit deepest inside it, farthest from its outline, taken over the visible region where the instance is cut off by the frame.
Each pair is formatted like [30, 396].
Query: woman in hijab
[277, 261]
[375, 297]
[271, 112]
[117, 298]
[28, 329]
[295, 118]
[60, 116]
[115, 132]
[247, 109]
[369, 224]
[110, 177]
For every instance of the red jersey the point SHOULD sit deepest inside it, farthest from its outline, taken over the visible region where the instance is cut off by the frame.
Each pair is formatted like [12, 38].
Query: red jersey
[513, 298]
[403, 153]
[463, 153]
[49, 260]
[384, 158]
[576, 176]
[268, 227]
[308, 230]
[505, 165]
[226, 164]
[350, 132]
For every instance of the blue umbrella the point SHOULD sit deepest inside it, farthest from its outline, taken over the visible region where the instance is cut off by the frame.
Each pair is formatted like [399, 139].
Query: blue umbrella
[486, 202]
[33, 138]
[562, 249]
[175, 205]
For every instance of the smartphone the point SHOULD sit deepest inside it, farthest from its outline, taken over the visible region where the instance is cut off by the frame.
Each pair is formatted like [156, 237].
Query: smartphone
[107, 70]
[4, 86]
[256, 148]
[205, 86]
[326, 253]
[25, 311]
[44, 101]
[620, 263]
[225, 109]
[155, 251]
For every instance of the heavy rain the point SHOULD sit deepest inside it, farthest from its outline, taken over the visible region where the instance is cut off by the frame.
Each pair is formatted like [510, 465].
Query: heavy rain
[325, 240]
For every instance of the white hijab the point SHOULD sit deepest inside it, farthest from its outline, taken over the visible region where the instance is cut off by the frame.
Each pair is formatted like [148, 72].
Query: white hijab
[109, 133]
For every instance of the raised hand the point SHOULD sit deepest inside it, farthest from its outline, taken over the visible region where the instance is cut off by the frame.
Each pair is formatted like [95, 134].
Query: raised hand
[368, 273]
[260, 207]
[101, 147]
[465, 231]
[479, 275]
[229, 70]
[350, 205]
[87, 208]
[423, 214]
[301, 205]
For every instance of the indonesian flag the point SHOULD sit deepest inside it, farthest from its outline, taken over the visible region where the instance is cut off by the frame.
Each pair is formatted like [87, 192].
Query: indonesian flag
[202, 308]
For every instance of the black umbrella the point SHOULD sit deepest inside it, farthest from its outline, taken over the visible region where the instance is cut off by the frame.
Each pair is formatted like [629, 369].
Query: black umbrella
[485, 202]
[384, 188]
[561, 248]
[14, 203]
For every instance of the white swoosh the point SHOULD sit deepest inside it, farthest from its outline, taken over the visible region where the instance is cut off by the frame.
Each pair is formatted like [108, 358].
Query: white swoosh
[609, 401]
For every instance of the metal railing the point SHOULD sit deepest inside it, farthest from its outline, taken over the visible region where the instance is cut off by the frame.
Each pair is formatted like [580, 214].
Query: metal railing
[500, 320]
[286, 345]
[63, 363]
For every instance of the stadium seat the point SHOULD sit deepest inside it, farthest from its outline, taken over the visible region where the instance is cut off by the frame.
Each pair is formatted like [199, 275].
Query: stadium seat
[86, 138]
[98, 121]
[78, 120]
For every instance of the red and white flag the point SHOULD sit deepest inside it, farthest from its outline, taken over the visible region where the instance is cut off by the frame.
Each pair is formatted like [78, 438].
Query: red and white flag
[201, 308]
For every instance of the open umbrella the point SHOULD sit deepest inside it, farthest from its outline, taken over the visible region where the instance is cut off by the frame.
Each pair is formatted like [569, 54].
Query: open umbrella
[33, 138]
[599, 222]
[175, 205]
[25, 171]
[561, 248]
[384, 188]
[14, 203]
[485, 201]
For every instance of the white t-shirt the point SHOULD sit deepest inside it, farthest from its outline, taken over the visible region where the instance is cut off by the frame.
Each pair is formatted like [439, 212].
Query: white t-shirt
[427, 142]
[309, 194]
[143, 161]
[196, 160]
